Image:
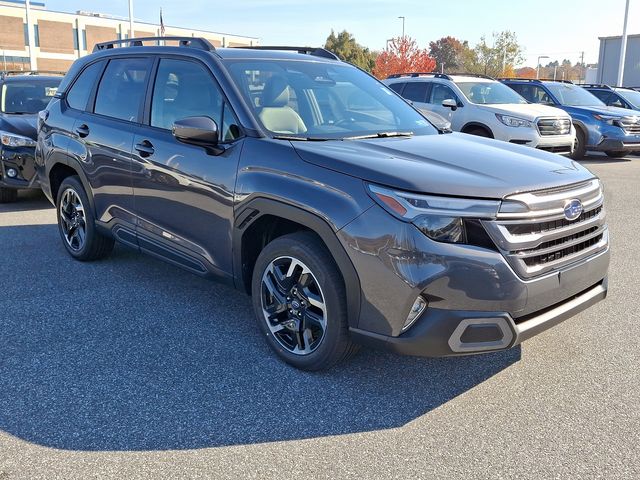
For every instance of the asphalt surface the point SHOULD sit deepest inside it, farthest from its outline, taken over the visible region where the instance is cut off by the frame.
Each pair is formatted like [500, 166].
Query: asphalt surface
[130, 368]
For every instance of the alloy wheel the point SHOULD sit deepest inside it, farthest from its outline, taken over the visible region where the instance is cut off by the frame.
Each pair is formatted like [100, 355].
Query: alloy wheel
[293, 305]
[73, 220]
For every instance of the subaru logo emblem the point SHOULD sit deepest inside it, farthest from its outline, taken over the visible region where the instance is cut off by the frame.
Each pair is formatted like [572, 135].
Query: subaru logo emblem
[573, 209]
[295, 304]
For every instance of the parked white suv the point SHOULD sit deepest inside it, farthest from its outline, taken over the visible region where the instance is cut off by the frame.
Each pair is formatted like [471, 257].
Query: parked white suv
[481, 105]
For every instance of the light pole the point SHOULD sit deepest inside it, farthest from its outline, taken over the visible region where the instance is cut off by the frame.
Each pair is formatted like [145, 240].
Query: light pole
[623, 47]
[131, 35]
[403, 19]
[538, 65]
[33, 62]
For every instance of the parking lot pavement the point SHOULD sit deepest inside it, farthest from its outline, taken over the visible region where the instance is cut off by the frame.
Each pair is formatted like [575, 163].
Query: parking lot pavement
[130, 368]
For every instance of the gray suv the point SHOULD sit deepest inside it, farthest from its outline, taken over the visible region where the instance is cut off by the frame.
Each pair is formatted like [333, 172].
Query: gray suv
[338, 207]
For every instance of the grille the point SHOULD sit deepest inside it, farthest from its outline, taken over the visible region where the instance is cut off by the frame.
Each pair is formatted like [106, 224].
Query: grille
[554, 126]
[631, 125]
[534, 236]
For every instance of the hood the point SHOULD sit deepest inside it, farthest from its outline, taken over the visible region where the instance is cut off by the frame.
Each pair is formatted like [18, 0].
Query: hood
[528, 111]
[451, 164]
[24, 125]
[602, 110]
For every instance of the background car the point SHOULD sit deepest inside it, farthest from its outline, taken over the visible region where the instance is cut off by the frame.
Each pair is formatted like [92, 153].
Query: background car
[612, 130]
[616, 96]
[480, 105]
[22, 96]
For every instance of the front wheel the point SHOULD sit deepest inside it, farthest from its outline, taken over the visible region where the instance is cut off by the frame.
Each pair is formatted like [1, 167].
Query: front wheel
[580, 145]
[299, 300]
[615, 154]
[76, 223]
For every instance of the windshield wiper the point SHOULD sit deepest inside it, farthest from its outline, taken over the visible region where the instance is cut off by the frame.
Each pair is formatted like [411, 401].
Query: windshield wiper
[299, 139]
[380, 135]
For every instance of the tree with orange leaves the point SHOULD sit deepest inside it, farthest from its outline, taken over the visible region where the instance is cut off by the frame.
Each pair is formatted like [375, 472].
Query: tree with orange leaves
[403, 56]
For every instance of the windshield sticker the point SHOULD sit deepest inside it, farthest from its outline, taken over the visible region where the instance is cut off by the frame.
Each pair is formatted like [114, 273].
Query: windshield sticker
[50, 91]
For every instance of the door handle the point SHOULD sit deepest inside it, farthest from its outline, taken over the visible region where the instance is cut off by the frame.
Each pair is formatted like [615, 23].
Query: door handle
[145, 149]
[82, 130]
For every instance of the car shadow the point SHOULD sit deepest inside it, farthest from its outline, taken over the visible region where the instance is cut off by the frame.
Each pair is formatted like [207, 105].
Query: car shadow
[602, 159]
[132, 354]
[27, 200]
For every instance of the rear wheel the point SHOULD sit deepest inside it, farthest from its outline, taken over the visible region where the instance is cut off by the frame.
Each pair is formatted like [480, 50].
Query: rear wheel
[300, 302]
[615, 154]
[76, 223]
[580, 146]
[8, 195]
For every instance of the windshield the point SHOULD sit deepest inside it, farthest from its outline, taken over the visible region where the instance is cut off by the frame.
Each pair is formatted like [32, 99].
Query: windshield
[631, 96]
[317, 101]
[489, 93]
[28, 97]
[572, 95]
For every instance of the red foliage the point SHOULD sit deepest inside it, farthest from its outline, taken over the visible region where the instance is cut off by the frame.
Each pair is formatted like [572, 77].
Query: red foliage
[403, 56]
[526, 72]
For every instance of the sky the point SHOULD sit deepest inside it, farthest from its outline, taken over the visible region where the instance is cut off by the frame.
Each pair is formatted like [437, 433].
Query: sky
[558, 29]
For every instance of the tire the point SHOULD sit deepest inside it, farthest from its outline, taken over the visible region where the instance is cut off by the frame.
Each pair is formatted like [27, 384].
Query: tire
[479, 132]
[580, 147]
[76, 223]
[616, 154]
[8, 195]
[293, 302]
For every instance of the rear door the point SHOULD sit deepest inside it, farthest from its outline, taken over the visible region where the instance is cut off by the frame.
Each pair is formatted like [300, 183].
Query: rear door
[103, 139]
[184, 193]
[418, 94]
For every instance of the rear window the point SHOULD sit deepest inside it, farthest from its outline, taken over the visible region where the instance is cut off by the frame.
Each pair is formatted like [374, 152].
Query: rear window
[78, 96]
[122, 88]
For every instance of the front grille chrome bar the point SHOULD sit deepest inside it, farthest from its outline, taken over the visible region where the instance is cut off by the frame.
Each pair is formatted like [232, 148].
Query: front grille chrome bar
[536, 238]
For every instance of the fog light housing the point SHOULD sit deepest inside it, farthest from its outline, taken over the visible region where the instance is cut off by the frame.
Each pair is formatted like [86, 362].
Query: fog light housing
[417, 308]
[12, 173]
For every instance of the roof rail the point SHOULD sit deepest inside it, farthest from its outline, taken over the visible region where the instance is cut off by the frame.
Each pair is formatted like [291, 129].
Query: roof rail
[536, 80]
[7, 73]
[191, 42]
[419, 74]
[315, 51]
[596, 85]
[556, 80]
[477, 75]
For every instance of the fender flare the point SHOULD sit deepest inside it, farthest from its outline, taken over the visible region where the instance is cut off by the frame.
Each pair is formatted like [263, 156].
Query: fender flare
[480, 125]
[259, 207]
[74, 165]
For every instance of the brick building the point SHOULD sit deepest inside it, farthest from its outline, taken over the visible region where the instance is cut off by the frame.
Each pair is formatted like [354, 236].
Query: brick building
[59, 37]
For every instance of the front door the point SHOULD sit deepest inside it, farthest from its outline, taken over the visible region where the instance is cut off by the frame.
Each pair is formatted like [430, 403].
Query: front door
[184, 193]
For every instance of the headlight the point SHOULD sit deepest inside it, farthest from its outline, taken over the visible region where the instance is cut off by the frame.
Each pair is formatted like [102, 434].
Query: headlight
[443, 219]
[514, 121]
[13, 140]
[608, 119]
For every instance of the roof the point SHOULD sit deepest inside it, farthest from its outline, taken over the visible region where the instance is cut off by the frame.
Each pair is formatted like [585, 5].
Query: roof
[250, 53]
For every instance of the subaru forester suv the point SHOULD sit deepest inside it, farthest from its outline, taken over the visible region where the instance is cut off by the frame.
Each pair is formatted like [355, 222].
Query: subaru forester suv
[309, 184]
[612, 130]
[480, 105]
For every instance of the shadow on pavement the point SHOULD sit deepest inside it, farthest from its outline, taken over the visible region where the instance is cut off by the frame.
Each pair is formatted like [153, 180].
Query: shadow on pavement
[27, 200]
[133, 354]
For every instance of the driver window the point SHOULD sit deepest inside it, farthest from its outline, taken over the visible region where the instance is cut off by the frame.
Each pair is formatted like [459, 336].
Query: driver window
[184, 89]
[440, 93]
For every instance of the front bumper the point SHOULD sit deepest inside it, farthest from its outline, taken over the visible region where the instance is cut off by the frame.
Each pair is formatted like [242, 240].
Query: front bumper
[451, 332]
[465, 286]
[531, 138]
[21, 159]
[630, 144]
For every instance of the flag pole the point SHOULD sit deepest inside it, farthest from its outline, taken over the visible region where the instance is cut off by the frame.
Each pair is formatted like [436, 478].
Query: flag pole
[131, 32]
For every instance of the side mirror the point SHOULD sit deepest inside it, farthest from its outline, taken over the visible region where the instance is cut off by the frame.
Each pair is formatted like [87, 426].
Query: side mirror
[202, 131]
[450, 103]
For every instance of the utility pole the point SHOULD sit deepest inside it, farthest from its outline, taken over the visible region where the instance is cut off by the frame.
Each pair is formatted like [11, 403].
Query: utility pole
[623, 47]
[403, 19]
[583, 77]
[538, 65]
[33, 62]
[131, 32]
